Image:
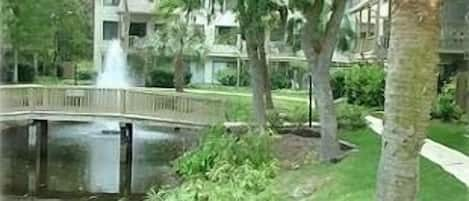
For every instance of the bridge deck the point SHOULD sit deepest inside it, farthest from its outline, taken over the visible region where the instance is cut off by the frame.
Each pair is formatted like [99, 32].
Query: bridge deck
[72, 103]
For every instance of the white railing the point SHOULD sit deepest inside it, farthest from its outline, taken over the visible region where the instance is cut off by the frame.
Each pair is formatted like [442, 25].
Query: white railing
[99, 101]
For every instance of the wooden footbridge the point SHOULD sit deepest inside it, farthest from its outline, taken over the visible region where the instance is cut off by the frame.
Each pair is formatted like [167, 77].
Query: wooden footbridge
[79, 103]
[40, 104]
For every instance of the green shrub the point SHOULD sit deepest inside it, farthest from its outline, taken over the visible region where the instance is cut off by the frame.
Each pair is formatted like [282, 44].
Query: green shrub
[446, 108]
[228, 77]
[216, 147]
[274, 119]
[280, 80]
[86, 74]
[299, 115]
[223, 168]
[365, 86]
[338, 84]
[238, 109]
[349, 116]
[163, 78]
[25, 73]
[223, 183]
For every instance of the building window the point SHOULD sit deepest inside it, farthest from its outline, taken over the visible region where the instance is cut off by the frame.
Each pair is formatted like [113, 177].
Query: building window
[111, 2]
[110, 30]
[138, 29]
[226, 35]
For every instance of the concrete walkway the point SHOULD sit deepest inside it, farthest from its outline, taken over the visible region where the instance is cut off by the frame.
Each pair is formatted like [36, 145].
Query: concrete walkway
[452, 161]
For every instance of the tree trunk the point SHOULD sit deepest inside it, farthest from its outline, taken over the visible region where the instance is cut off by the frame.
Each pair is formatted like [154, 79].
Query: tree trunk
[410, 90]
[319, 49]
[324, 101]
[179, 72]
[15, 66]
[462, 82]
[269, 103]
[257, 79]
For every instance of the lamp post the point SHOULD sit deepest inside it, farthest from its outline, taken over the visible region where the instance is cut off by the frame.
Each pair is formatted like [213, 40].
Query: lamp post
[310, 119]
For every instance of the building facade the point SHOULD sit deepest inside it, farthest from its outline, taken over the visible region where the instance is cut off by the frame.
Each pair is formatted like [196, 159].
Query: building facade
[226, 50]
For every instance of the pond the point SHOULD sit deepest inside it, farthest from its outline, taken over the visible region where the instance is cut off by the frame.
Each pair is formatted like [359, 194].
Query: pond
[84, 160]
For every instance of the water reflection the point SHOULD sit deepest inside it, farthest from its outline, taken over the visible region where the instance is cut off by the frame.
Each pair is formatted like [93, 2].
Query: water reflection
[82, 159]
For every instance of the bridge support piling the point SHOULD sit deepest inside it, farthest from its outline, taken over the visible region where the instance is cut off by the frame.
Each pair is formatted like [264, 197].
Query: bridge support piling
[125, 168]
[37, 145]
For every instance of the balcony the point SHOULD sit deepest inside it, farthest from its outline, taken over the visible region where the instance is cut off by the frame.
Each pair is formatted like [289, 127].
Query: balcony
[454, 45]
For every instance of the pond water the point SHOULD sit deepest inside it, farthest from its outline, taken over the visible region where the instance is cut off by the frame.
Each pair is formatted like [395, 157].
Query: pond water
[81, 159]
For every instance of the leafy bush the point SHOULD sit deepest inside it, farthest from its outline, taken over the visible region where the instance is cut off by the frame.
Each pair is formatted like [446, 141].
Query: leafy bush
[163, 78]
[365, 86]
[299, 115]
[227, 77]
[274, 119]
[280, 80]
[86, 74]
[223, 168]
[216, 147]
[446, 108]
[224, 183]
[349, 116]
[238, 110]
[338, 84]
[25, 73]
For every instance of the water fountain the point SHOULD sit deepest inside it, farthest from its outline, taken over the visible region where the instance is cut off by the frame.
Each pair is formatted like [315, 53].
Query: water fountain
[104, 154]
[114, 76]
[115, 73]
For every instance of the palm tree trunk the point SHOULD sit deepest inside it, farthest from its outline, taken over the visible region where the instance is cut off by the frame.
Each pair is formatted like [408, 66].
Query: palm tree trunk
[410, 90]
[179, 72]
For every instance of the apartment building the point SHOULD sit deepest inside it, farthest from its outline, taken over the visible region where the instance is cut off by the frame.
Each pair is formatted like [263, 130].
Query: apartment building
[226, 50]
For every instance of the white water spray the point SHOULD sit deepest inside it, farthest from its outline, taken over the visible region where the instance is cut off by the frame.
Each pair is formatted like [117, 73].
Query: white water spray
[105, 153]
[115, 74]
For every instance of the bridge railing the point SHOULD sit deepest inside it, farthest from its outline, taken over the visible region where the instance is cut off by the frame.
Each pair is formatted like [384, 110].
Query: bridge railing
[96, 101]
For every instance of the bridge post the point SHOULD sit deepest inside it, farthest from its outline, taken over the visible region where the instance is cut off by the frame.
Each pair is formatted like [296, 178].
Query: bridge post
[125, 167]
[37, 145]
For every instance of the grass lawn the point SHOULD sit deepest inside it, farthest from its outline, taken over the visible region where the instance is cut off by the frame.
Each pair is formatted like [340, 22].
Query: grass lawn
[239, 108]
[277, 92]
[354, 179]
[453, 135]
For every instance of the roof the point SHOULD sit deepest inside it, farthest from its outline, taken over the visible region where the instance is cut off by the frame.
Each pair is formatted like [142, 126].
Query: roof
[139, 6]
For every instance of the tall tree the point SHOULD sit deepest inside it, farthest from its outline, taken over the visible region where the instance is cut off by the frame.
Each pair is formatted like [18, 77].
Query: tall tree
[253, 29]
[319, 40]
[180, 36]
[410, 90]
[48, 28]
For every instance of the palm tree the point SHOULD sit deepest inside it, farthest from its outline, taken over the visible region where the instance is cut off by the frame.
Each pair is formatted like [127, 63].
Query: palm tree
[323, 30]
[410, 90]
[180, 41]
[179, 37]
